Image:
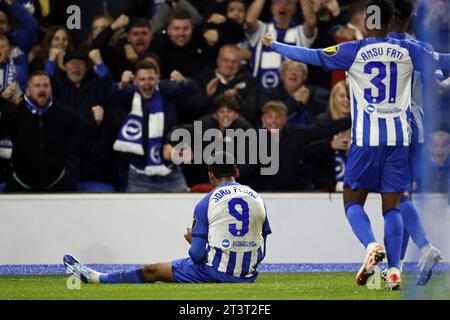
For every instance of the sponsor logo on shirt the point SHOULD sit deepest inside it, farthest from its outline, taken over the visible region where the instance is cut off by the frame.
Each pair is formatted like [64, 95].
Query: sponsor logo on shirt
[245, 244]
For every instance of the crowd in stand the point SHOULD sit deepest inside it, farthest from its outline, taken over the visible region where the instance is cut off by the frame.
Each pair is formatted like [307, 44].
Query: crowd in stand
[94, 109]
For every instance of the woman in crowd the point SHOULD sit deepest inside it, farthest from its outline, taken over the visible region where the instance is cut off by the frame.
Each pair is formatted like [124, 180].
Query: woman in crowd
[329, 172]
[58, 39]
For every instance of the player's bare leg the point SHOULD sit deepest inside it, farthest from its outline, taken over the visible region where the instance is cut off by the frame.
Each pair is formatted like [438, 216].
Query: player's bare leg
[354, 201]
[390, 200]
[158, 272]
[358, 195]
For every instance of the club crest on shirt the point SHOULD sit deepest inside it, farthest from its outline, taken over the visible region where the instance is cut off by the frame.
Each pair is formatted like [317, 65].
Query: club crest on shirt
[330, 51]
[225, 243]
[370, 109]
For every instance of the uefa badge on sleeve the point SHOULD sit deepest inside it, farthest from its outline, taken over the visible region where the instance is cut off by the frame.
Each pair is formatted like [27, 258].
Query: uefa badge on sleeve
[331, 51]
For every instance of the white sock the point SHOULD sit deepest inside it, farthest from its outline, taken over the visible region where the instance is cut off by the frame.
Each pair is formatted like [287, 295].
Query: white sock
[401, 265]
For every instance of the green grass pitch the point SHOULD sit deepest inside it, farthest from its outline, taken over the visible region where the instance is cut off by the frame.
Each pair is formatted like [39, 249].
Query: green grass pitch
[270, 286]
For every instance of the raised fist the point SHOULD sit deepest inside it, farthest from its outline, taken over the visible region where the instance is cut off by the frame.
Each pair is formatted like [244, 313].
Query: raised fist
[96, 56]
[211, 36]
[177, 77]
[121, 22]
[217, 18]
[98, 113]
[127, 77]
[130, 53]
[54, 53]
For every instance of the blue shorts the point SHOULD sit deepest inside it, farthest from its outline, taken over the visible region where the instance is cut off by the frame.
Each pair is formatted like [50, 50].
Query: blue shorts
[382, 169]
[186, 271]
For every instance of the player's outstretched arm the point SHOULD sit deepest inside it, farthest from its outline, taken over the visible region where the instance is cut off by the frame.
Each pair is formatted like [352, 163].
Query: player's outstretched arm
[339, 57]
[305, 55]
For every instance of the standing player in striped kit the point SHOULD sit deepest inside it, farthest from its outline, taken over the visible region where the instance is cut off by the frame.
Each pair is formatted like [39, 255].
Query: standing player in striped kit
[411, 219]
[230, 222]
[380, 74]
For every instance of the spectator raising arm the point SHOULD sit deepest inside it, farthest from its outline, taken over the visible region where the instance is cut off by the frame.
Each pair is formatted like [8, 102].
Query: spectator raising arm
[253, 14]
[310, 18]
[24, 37]
[100, 67]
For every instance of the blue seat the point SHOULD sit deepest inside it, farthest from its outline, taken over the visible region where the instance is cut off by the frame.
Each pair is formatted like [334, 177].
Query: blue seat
[92, 186]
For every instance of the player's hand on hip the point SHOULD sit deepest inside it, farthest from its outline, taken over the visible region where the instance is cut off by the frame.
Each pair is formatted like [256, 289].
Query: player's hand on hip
[267, 40]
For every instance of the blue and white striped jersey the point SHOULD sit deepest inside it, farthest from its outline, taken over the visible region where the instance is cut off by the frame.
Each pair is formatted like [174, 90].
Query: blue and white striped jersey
[265, 63]
[233, 218]
[417, 112]
[380, 75]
